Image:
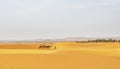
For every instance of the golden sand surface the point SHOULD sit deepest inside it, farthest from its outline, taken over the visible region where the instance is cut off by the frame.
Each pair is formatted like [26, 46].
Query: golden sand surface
[67, 55]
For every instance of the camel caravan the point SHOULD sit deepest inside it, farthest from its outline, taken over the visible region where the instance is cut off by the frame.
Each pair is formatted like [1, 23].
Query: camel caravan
[47, 46]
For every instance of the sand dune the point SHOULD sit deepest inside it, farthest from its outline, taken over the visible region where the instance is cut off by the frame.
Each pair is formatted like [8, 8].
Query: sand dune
[23, 51]
[66, 56]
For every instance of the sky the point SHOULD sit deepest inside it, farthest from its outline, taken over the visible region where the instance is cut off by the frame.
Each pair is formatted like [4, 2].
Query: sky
[46, 19]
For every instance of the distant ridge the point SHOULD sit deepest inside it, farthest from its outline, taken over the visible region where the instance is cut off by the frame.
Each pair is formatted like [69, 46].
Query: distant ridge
[57, 40]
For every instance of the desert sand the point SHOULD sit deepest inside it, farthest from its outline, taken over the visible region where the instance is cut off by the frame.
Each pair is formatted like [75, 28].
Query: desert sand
[67, 55]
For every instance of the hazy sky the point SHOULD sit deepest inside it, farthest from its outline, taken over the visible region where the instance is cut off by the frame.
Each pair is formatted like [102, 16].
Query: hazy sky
[34, 19]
